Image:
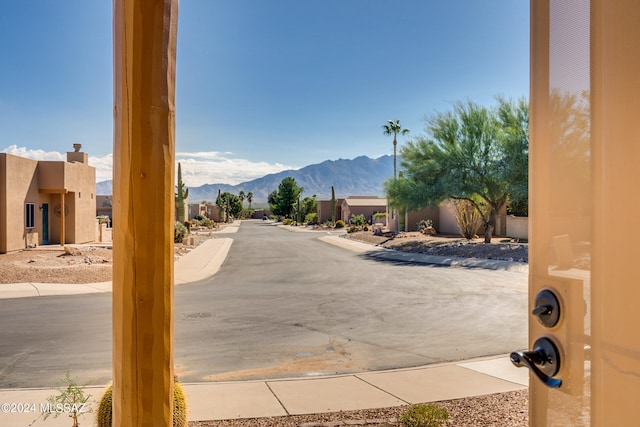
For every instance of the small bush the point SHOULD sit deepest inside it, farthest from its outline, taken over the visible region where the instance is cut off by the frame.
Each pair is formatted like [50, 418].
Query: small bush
[340, 223]
[352, 229]
[206, 222]
[199, 217]
[421, 415]
[357, 219]
[287, 221]
[179, 232]
[311, 218]
[365, 227]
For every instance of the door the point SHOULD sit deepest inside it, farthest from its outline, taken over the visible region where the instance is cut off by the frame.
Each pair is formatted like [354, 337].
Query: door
[584, 174]
[45, 224]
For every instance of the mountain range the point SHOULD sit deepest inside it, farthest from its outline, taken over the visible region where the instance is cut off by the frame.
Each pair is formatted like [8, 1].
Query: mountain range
[362, 176]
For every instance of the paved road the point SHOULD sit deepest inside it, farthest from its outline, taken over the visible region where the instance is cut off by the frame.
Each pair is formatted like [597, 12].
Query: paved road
[283, 304]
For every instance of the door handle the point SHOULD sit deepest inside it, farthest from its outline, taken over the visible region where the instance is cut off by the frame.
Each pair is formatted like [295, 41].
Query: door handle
[543, 361]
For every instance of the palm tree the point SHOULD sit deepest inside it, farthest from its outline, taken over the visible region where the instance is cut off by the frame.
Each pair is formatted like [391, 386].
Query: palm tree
[249, 198]
[394, 128]
[241, 196]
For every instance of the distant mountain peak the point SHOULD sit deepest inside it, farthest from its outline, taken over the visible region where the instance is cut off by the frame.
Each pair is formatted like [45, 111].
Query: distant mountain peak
[359, 176]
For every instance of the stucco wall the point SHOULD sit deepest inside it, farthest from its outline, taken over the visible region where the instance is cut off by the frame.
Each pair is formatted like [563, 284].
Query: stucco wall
[19, 187]
[80, 182]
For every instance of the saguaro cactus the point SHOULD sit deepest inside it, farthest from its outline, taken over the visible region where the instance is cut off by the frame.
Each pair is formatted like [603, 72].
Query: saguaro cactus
[333, 205]
[182, 194]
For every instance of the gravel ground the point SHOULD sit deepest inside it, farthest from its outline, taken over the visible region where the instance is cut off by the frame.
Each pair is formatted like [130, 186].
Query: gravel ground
[499, 249]
[496, 410]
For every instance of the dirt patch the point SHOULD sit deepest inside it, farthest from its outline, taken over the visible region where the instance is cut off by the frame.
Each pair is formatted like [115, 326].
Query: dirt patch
[72, 264]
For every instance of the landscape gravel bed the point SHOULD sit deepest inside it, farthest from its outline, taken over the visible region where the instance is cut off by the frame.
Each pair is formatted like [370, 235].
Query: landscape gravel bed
[496, 410]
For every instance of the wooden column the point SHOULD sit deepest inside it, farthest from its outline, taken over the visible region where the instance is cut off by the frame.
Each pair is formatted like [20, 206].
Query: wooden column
[143, 199]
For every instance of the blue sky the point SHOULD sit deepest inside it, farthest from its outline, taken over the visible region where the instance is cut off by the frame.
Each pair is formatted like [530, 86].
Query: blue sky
[262, 86]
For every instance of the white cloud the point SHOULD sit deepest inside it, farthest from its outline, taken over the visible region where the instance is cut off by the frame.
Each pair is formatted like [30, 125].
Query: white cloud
[198, 168]
[215, 167]
[34, 154]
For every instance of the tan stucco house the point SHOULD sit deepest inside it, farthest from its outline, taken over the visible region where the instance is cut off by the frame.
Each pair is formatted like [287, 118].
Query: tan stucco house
[362, 205]
[46, 202]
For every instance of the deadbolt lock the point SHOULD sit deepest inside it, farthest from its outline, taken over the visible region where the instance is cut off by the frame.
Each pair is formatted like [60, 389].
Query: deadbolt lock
[547, 308]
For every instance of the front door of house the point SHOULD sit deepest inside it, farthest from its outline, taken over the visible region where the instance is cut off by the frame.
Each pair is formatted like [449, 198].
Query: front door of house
[584, 287]
[45, 224]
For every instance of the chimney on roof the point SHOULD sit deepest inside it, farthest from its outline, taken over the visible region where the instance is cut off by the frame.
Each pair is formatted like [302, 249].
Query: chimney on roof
[77, 156]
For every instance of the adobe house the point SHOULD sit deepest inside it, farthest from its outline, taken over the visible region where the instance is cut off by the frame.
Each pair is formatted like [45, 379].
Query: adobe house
[46, 202]
[324, 210]
[363, 205]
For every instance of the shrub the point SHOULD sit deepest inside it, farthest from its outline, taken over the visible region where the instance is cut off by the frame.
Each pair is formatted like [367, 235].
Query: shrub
[357, 219]
[425, 416]
[104, 416]
[287, 221]
[468, 218]
[365, 228]
[199, 217]
[179, 232]
[311, 218]
[340, 223]
[71, 396]
[352, 229]
[206, 222]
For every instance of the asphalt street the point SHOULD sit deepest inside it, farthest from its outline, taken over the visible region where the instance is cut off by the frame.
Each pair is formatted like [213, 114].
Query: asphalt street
[284, 304]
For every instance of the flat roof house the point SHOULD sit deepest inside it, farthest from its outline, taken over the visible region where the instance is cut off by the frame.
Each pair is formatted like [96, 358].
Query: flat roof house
[46, 202]
[363, 205]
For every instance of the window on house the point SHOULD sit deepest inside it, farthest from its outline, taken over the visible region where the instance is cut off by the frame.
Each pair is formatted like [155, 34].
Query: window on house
[29, 215]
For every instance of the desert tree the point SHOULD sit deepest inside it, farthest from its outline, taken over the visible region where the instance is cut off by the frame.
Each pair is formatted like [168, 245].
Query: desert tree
[467, 155]
[285, 197]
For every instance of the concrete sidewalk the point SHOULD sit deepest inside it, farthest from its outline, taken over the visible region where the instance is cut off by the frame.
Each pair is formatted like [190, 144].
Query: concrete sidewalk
[202, 262]
[269, 398]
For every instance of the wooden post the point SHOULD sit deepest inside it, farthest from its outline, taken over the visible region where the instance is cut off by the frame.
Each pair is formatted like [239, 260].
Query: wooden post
[145, 34]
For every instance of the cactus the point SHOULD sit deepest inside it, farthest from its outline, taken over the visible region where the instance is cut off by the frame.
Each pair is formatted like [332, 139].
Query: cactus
[333, 205]
[181, 195]
[104, 416]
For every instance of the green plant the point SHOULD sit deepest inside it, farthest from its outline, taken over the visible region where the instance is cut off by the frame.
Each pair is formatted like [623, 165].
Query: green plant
[179, 232]
[468, 217]
[352, 229]
[357, 219]
[365, 227]
[287, 221]
[311, 218]
[181, 195]
[421, 415]
[379, 215]
[206, 222]
[71, 401]
[340, 223]
[104, 416]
